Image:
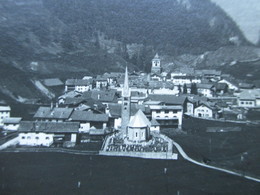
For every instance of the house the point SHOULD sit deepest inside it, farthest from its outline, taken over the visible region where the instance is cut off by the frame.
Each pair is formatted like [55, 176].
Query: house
[209, 74]
[101, 82]
[231, 84]
[138, 129]
[249, 98]
[11, 124]
[156, 77]
[89, 120]
[80, 85]
[169, 100]
[185, 79]
[40, 133]
[70, 94]
[221, 88]
[155, 126]
[207, 90]
[53, 114]
[167, 116]
[4, 112]
[206, 110]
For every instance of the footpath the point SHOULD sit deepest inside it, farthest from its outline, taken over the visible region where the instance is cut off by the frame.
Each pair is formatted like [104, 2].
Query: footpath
[186, 157]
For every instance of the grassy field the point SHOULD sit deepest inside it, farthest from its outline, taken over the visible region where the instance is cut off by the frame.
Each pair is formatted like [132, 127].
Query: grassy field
[54, 173]
[225, 149]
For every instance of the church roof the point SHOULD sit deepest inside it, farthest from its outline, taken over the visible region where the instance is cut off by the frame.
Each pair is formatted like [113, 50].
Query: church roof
[139, 120]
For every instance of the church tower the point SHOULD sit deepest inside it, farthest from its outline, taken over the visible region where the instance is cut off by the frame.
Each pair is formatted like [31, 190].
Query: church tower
[126, 100]
[156, 64]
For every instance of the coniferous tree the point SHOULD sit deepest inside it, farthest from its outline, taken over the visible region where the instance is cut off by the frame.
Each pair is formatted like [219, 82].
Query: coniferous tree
[184, 88]
[179, 88]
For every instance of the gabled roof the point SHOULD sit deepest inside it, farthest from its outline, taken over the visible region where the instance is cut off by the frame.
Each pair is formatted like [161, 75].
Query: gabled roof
[139, 120]
[53, 113]
[104, 96]
[88, 116]
[70, 94]
[48, 127]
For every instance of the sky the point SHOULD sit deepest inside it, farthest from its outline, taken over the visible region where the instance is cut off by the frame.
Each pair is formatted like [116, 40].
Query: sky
[246, 13]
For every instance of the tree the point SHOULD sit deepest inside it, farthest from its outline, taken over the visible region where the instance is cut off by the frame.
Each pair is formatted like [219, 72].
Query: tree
[184, 88]
[194, 89]
[179, 88]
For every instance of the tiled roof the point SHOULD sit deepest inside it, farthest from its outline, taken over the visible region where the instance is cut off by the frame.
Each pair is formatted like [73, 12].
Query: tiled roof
[79, 82]
[139, 120]
[250, 94]
[55, 113]
[115, 109]
[88, 116]
[167, 99]
[12, 120]
[49, 127]
[73, 101]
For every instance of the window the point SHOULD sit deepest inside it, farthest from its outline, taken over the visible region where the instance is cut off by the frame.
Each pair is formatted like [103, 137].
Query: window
[47, 138]
[157, 111]
[37, 137]
[23, 137]
[166, 111]
[136, 134]
[242, 102]
[250, 103]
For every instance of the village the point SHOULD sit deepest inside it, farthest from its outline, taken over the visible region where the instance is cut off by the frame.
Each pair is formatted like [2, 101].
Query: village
[127, 112]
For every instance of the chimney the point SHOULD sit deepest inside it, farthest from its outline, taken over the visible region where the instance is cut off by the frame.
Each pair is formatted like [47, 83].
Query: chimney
[52, 105]
[57, 104]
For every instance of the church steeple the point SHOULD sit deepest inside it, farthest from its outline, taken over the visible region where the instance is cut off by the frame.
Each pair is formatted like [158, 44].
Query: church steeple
[156, 64]
[126, 90]
[126, 100]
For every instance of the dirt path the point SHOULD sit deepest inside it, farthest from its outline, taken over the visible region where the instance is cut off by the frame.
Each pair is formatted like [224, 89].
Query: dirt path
[186, 157]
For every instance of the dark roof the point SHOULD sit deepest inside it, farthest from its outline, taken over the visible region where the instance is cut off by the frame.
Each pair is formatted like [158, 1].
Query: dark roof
[74, 101]
[167, 99]
[115, 109]
[96, 132]
[104, 96]
[88, 116]
[52, 82]
[204, 86]
[221, 86]
[49, 127]
[53, 113]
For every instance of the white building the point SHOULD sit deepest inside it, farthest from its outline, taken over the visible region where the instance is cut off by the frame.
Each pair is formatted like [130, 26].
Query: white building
[11, 124]
[46, 133]
[249, 98]
[206, 111]
[4, 113]
[167, 115]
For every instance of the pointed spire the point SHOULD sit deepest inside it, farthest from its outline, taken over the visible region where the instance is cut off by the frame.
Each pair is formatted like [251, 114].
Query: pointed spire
[126, 90]
[156, 56]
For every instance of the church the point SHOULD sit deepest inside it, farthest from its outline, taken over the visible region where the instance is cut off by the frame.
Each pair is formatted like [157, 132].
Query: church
[137, 127]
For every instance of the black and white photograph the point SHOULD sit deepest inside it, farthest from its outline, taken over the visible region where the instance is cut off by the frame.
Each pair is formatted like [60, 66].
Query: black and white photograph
[130, 97]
